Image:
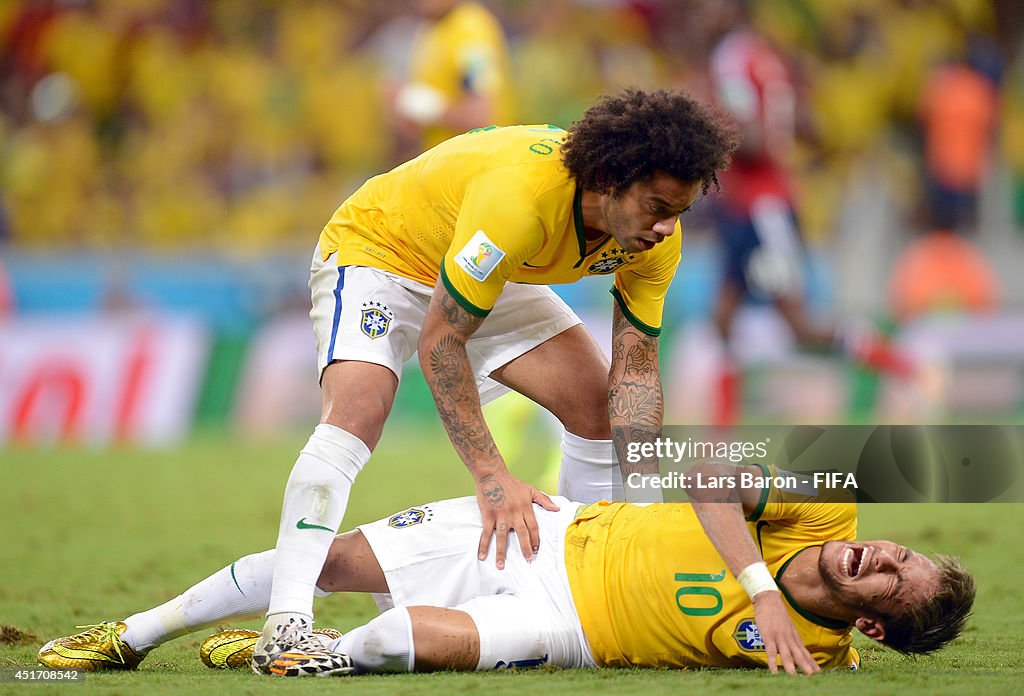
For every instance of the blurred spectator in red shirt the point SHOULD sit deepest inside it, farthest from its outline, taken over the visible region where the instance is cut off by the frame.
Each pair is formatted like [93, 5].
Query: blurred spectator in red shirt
[755, 213]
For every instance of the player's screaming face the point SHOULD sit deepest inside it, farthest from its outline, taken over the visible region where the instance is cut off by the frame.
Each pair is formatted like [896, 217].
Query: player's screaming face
[876, 577]
[645, 213]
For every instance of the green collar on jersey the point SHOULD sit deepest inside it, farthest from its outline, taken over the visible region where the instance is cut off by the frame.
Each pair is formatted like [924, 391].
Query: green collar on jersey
[810, 616]
[577, 221]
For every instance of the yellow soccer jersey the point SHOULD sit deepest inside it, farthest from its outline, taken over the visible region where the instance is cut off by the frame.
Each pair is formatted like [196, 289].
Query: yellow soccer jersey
[487, 207]
[651, 590]
[463, 51]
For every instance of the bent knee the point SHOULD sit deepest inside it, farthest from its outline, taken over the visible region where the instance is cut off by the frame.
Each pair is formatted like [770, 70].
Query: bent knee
[584, 411]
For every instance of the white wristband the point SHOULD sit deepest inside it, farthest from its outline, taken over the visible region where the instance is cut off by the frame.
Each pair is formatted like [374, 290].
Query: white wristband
[755, 578]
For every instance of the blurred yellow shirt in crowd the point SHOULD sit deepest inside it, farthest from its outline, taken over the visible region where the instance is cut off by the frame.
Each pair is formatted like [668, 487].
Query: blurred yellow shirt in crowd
[487, 207]
[650, 588]
[463, 51]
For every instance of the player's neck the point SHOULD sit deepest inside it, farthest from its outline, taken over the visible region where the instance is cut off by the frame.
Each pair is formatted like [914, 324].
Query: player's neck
[805, 585]
[593, 217]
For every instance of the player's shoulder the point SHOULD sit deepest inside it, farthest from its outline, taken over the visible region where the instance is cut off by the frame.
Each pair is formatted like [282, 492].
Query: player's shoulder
[540, 139]
[530, 154]
[801, 501]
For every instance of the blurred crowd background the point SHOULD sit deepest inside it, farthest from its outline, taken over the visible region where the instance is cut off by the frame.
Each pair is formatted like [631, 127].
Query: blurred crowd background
[239, 125]
[184, 154]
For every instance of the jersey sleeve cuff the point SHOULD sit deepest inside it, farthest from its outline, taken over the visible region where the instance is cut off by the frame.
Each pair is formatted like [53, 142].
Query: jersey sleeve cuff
[632, 318]
[756, 513]
[463, 302]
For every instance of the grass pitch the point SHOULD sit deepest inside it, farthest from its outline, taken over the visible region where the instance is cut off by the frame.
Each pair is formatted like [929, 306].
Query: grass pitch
[98, 535]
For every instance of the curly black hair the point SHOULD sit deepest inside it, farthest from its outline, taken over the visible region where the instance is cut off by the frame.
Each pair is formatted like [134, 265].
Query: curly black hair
[628, 137]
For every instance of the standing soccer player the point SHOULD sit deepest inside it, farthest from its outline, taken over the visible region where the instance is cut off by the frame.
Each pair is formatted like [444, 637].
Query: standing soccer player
[458, 75]
[755, 215]
[449, 255]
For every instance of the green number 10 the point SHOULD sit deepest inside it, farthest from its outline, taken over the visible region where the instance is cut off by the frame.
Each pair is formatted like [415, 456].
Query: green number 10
[689, 590]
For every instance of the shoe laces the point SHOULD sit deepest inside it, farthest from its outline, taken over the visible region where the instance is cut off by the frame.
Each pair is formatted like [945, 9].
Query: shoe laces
[300, 637]
[101, 632]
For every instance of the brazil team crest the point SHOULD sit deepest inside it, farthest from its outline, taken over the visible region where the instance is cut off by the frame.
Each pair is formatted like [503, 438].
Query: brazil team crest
[410, 517]
[610, 261]
[376, 319]
[748, 637]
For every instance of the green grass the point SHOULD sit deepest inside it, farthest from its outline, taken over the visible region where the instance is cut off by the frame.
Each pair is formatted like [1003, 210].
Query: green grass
[92, 535]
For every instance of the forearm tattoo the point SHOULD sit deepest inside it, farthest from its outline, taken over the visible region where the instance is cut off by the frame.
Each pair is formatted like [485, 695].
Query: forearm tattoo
[454, 389]
[635, 401]
[455, 315]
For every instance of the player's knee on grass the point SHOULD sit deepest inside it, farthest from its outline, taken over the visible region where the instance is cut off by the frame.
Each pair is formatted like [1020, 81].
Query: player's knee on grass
[381, 646]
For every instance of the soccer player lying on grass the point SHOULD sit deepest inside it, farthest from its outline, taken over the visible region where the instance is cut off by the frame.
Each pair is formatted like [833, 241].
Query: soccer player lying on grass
[616, 585]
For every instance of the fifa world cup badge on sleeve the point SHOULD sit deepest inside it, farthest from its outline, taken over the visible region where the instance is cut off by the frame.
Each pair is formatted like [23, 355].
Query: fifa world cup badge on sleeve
[480, 256]
[376, 319]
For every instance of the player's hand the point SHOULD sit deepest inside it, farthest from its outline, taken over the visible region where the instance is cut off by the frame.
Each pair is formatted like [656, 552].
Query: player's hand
[506, 505]
[780, 636]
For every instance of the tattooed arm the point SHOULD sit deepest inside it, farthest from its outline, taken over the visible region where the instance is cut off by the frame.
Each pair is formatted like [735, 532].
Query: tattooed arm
[506, 503]
[721, 512]
[635, 402]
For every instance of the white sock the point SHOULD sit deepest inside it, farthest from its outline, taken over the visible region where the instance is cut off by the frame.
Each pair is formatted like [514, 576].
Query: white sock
[382, 645]
[239, 591]
[590, 471]
[314, 505]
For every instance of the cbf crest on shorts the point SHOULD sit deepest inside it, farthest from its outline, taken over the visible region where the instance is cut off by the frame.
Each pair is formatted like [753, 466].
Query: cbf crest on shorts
[410, 517]
[748, 637]
[376, 319]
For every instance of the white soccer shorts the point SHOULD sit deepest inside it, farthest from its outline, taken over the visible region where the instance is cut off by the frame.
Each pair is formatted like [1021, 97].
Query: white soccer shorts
[374, 316]
[525, 613]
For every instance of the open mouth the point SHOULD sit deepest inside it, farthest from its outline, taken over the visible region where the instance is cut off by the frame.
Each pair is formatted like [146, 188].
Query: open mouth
[852, 561]
[644, 244]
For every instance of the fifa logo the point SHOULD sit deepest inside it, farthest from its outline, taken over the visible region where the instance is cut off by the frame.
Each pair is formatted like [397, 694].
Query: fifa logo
[480, 256]
[483, 251]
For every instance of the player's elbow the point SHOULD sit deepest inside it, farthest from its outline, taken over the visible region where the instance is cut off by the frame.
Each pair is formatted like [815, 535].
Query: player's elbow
[713, 481]
[429, 334]
[439, 346]
[717, 468]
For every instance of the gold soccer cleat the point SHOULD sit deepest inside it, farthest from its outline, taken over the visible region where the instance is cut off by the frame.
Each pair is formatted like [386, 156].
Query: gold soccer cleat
[97, 648]
[232, 649]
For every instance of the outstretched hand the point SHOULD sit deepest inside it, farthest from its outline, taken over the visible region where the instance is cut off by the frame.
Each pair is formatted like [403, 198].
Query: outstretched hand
[506, 505]
[780, 636]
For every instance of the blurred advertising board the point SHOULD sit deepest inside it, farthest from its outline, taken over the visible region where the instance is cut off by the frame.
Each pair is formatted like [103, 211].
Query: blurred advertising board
[96, 379]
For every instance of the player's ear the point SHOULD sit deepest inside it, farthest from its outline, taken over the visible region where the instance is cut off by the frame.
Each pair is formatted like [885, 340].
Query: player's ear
[872, 628]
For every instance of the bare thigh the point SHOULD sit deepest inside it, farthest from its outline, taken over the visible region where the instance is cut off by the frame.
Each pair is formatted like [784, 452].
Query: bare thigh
[727, 303]
[567, 375]
[351, 566]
